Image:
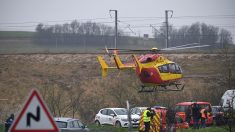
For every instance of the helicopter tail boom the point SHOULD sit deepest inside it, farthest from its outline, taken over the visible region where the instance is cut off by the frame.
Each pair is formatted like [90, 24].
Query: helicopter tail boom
[138, 63]
[104, 66]
[120, 65]
[118, 61]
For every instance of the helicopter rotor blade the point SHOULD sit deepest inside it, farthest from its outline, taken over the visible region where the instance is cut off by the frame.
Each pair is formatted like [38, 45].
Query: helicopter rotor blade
[107, 51]
[156, 50]
[127, 49]
[134, 50]
[180, 46]
[199, 46]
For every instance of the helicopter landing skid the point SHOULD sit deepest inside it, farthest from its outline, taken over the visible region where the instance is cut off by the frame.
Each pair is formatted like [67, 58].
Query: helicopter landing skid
[164, 88]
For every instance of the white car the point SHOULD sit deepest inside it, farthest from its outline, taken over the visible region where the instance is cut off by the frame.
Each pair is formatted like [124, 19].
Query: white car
[70, 125]
[138, 110]
[228, 100]
[116, 117]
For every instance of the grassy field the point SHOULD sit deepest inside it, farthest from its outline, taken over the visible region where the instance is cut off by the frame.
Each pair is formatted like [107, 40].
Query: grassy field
[94, 128]
[114, 129]
[1, 128]
[65, 76]
[16, 34]
[15, 42]
[209, 129]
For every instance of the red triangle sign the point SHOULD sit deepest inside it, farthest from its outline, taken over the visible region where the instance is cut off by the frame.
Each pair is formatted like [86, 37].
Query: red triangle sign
[34, 117]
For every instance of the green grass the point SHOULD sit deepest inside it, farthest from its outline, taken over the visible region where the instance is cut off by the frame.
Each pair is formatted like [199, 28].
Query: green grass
[209, 129]
[94, 128]
[1, 128]
[16, 34]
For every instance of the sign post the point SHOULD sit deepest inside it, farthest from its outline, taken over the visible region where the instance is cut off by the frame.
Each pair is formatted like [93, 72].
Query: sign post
[34, 117]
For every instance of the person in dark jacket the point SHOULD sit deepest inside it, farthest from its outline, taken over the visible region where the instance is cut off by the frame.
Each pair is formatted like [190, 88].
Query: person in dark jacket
[8, 122]
[196, 115]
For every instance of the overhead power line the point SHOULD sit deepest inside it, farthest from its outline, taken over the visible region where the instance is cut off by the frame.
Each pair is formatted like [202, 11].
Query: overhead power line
[130, 19]
[131, 26]
[49, 21]
[128, 22]
[206, 16]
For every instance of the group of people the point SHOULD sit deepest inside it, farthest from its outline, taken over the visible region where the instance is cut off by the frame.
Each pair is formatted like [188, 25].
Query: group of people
[199, 114]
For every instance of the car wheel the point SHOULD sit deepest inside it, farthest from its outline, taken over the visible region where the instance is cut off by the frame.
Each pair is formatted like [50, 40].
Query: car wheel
[97, 123]
[118, 124]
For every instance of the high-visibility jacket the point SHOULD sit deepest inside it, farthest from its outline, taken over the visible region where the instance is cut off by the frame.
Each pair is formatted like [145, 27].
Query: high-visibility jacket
[146, 118]
[203, 113]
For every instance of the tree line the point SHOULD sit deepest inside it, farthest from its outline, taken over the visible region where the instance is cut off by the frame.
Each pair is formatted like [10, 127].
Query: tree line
[90, 34]
[75, 33]
[196, 33]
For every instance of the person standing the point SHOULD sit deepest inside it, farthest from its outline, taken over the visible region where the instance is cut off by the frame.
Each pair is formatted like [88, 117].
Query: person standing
[203, 117]
[196, 115]
[8, 122]
[147, 119]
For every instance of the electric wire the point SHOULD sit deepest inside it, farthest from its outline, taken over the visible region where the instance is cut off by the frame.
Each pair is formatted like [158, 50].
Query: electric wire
[125, 20]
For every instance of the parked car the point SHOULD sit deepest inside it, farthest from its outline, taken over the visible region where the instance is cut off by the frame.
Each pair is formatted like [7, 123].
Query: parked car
[116, 117]
[186, 107]
[138, 110]
[228, 100]
[70, 125]
[218, 115]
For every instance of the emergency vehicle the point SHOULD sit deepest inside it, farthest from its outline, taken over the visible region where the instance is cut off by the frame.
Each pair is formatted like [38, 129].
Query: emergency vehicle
[186, 108]
[159, 121]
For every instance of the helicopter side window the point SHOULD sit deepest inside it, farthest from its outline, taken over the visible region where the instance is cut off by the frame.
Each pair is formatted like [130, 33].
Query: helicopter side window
[148, 60]
[160, 69]
[163, 69]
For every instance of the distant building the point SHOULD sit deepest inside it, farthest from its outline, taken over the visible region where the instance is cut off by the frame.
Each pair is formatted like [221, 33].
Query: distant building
[146, 36]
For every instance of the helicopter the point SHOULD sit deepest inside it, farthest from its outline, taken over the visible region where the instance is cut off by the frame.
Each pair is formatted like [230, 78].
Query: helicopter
[155, 71]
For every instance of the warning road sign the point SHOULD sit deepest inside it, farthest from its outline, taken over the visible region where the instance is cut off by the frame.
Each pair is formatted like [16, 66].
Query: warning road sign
[34, 116]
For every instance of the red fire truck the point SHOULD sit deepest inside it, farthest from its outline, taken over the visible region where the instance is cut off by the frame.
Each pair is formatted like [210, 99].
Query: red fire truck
[186, 108]
[159, 121]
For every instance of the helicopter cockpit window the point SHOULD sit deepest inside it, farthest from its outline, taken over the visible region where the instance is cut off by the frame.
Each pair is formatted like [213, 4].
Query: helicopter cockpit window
[172, 68]
[177, 69]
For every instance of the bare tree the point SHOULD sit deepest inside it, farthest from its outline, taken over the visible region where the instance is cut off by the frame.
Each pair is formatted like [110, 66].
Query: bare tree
[209, 34]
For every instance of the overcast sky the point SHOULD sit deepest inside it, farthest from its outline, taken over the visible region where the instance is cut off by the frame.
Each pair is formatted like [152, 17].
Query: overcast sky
[139, 14]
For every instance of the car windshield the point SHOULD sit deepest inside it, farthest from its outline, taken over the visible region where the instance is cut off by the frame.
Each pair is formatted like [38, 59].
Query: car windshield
[205, 106]
[142, 109]
[61, 124]
[214, 110]
[121, 111]
[217, 109]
